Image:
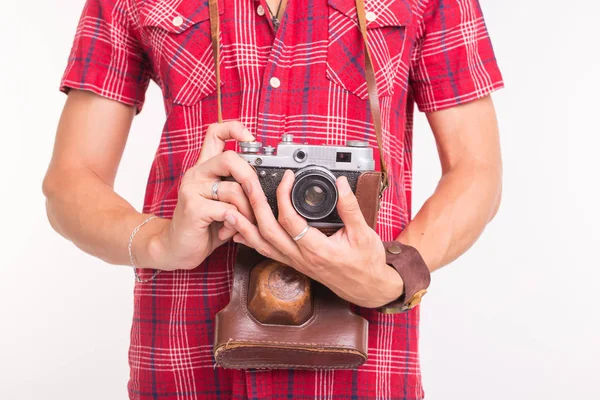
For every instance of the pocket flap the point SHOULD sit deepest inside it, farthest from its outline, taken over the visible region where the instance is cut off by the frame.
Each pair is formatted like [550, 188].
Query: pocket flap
[174, 16]
[384, 13]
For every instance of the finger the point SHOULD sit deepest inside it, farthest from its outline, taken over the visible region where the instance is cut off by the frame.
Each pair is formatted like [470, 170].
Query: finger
[226, 232]
[268, 226]
[231, 164]
[253, 238]
[349, 209]
[217, 134]
[238, 238]
[229, 192]
[199, 210]
[294, 223]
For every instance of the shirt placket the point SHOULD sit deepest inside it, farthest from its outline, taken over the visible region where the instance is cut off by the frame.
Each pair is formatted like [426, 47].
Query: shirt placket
[262, 9]
[273, 92]
[259, 382]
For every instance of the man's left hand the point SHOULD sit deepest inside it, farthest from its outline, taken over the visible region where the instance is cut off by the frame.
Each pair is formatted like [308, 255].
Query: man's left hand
[351, 262]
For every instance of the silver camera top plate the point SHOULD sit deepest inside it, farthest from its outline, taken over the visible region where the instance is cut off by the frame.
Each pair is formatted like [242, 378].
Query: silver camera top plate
[355, 156]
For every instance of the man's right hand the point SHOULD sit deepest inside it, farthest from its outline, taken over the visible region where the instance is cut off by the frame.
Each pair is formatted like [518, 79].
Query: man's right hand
[196, 228]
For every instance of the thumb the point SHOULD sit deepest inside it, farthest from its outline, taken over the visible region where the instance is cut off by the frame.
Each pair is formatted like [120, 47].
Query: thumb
[217, 134]
[348, 207]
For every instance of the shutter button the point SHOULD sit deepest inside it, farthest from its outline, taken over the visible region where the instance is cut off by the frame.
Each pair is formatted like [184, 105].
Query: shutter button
[370, 16]
[274, 82]
[177, 21]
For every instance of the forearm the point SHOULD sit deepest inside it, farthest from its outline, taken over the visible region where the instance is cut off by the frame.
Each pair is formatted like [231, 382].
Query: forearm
[80, 201]
[87, 211]
[451, 220]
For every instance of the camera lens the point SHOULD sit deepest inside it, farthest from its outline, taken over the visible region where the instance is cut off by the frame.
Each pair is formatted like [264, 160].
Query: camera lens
[314, 194]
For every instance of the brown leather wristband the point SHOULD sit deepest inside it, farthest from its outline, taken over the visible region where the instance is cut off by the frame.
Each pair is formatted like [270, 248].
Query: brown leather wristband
[413, 271]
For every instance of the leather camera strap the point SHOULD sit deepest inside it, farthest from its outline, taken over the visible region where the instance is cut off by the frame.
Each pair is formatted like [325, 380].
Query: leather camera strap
[213, 6]
[369, 74]
[373, 95]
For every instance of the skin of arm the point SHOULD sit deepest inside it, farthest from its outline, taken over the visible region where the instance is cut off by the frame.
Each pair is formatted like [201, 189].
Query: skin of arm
[83, 207]
[80, 201]
[468, 194]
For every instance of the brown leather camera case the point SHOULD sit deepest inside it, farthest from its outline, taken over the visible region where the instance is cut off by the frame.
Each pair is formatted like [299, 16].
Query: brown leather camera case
[309, 326]
[333, 336]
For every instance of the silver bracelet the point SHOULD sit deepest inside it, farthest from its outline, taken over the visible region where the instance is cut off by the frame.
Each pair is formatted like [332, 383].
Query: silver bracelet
[131, 261]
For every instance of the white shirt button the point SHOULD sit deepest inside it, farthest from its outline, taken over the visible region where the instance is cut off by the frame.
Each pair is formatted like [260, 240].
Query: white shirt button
[274, 82]
[260, 10]
[177, 21]
[370, 16]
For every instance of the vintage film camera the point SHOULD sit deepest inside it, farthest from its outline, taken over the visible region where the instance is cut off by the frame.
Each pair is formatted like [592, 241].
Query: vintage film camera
[316, 168]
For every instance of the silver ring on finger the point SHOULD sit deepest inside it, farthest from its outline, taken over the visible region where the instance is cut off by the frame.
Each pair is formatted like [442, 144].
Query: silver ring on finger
[301, 234]
[214, 192]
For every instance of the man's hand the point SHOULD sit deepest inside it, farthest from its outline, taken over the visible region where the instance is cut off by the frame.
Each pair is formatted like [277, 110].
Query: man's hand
[351, 262]
[195, 231]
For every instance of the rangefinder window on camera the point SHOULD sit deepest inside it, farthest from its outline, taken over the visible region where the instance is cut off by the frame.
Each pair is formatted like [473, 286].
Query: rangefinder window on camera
[315, 167]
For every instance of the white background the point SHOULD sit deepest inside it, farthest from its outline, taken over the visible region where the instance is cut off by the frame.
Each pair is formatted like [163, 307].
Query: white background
[515, 318]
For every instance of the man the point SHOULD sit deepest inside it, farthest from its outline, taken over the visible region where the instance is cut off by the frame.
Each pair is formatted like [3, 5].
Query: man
[299, 70]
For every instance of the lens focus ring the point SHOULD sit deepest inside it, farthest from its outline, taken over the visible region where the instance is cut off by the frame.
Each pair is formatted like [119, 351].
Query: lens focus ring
[314, 194]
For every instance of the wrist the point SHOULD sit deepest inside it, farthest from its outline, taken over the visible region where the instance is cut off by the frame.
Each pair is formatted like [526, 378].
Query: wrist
[149, 245]
[391, 288]
[414, 273]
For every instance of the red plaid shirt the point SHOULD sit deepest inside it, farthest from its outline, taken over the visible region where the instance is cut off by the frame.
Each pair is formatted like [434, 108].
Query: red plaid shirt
[307, 79]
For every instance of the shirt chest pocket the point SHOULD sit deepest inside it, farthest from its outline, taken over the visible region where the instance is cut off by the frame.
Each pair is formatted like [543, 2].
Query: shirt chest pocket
[387, 31]
[179, 46]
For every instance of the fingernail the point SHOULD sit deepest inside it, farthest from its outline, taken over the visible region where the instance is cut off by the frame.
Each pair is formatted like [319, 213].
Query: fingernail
[237, 238]
[248, 187]
[247, 132]
[230, 219]
[344, 186]
[287, 174]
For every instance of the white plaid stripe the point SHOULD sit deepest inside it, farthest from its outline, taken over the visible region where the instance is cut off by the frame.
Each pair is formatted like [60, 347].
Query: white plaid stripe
[324, 387]
[178, 336]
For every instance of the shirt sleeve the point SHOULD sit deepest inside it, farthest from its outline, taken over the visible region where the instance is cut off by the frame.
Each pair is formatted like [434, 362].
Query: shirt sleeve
[453, 60]
[106, 57]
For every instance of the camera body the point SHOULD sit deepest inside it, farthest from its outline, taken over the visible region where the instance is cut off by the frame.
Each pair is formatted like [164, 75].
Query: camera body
[316, 168]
